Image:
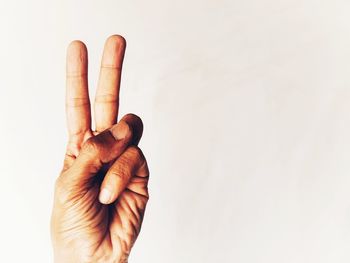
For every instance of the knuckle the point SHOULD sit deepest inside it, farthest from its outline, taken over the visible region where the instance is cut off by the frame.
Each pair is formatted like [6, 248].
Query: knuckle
[77, 102]
[96, 149]
[135, 156]
[134, 151]
[119, 174]
[106, 98]
[144, 170]
[122, 171]
[92, 146]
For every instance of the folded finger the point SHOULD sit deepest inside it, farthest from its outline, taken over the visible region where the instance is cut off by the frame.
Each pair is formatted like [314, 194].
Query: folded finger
[130, 164]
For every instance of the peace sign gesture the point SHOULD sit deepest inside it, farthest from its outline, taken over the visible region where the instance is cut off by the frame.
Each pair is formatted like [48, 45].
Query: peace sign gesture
[101, 194]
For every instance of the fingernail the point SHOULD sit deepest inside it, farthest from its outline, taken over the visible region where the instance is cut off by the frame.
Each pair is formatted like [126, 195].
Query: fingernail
[105, 196]
[120, 130]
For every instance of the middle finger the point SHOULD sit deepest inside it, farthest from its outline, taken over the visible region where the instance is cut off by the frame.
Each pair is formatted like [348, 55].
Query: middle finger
[107, 94]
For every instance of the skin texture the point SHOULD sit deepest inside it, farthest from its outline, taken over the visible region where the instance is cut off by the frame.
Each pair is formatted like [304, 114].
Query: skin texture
[101, 193]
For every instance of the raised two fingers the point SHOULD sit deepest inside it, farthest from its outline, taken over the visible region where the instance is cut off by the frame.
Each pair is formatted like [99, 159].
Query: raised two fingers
[77, 95]
[113, 139]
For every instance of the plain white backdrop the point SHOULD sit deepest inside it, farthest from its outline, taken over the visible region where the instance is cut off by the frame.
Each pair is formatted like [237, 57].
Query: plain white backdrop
[246, 106]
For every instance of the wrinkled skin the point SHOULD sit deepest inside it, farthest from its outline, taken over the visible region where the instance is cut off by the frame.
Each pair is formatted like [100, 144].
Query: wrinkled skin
[101, 193]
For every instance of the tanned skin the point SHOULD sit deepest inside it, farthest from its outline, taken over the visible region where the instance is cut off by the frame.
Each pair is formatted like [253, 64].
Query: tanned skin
[101, 193]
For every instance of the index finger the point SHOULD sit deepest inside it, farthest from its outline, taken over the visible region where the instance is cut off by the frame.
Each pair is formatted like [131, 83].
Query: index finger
[77, 96]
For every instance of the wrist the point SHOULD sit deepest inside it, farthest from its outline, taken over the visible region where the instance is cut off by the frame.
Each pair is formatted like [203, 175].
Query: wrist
[66, 256]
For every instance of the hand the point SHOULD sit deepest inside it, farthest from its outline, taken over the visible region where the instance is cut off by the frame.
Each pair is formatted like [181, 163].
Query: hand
[101, 193]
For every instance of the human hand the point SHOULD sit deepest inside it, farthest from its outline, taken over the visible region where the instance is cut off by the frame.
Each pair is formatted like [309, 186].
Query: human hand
[101, 193]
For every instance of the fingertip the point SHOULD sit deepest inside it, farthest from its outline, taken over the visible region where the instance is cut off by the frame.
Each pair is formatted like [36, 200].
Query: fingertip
[136, 124]
[105, 196]
[114, 50]
[111, 187]
[77, 57]
[116, 40]
[76, 46]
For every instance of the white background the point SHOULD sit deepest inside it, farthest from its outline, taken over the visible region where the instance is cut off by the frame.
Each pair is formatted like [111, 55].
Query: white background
[246, 106]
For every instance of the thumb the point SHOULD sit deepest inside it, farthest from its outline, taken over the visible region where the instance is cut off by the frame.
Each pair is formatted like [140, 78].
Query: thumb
[104, 148]
[100, 150]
